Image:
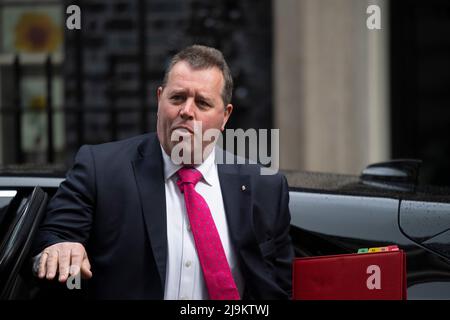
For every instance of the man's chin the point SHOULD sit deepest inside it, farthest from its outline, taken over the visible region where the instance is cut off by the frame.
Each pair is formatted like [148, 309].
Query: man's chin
[185, 154]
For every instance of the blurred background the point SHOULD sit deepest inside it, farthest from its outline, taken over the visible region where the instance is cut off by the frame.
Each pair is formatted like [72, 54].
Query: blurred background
[343, 96]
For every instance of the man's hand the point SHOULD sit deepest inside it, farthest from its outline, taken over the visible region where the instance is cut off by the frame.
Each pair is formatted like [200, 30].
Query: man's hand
[65, 258]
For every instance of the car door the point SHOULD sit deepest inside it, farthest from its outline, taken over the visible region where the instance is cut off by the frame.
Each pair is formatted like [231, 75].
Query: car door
[426, 222]
[21, 212]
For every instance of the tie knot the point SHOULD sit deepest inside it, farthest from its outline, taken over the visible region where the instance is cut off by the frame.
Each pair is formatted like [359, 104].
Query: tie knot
[188, 175]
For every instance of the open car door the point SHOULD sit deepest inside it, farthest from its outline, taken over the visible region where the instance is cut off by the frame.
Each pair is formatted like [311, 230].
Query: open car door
[21, 214]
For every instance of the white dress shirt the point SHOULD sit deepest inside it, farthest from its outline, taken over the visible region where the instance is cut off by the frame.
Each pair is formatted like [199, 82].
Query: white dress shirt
[184, 276]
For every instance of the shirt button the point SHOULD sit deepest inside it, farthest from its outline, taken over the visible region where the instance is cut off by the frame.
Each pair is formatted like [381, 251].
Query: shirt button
[189, 227]
[184, 298]
[188, 263]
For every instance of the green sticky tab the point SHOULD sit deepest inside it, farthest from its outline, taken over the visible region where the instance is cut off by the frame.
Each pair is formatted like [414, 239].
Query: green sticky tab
[363, 250]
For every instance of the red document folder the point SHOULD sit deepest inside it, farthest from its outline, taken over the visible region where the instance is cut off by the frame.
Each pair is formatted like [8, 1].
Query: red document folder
[350, 277]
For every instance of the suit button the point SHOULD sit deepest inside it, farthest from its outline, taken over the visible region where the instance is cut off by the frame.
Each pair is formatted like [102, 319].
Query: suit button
[188, 263]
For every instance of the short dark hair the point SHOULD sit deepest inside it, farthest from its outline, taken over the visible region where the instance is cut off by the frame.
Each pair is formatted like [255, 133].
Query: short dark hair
[202, 57]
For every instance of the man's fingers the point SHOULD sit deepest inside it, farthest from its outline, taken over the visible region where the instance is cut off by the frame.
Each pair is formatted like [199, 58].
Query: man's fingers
[42, 264]
[65, 258]
[64, 263]
[52, 264]
[76, 260]
[86, 269]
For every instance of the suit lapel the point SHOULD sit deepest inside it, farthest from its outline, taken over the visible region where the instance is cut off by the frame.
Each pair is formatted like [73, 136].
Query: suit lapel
[238, 208]
[149, 174]
[237, 203]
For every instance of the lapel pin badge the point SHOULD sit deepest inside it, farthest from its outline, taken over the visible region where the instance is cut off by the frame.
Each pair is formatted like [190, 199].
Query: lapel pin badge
[243, 188]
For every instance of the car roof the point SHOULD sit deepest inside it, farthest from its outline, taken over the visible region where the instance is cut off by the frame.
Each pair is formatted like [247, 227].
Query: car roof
[31, 175]
[352, 185]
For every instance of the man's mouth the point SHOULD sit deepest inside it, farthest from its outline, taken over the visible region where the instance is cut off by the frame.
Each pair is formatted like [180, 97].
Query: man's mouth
[183, 130]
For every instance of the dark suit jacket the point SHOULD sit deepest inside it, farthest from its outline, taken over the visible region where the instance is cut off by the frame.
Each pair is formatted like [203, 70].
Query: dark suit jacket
[113, 202]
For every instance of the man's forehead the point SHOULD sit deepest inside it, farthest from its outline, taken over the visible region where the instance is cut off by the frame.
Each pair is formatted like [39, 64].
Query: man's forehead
[183, 69]
[205, 84]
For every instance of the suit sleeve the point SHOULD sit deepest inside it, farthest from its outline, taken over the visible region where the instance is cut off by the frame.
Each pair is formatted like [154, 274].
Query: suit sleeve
[283, 243]
[70, 212]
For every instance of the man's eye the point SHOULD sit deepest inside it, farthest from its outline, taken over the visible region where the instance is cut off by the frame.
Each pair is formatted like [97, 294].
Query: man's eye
[203, 104]
[176, 98]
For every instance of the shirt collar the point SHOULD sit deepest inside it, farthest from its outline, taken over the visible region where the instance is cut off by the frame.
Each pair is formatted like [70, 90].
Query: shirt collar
[205, 168]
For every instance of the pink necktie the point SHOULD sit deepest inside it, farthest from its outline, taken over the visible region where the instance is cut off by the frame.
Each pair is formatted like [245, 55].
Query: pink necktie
[216, 271]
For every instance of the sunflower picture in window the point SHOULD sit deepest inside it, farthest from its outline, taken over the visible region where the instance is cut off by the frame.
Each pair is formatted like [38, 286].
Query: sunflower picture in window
[32, 29]
[36, 32]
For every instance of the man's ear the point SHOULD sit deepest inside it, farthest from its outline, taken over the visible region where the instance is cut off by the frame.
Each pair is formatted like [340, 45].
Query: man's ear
[227, 112]
[159, 92]
[158, 97]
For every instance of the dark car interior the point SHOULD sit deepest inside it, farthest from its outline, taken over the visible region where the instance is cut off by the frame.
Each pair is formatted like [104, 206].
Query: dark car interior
[20, 217]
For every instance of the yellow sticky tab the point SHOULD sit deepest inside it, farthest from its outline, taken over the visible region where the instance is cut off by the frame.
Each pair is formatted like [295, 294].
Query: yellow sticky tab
[373, 250]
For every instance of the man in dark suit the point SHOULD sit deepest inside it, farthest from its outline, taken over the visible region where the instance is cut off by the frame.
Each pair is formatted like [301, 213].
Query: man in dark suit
[132, 220]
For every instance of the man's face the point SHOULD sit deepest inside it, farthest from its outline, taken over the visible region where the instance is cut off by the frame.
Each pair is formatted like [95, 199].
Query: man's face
[190, 96]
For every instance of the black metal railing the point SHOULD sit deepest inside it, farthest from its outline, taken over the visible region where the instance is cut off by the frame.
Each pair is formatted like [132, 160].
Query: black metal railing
[80, 110]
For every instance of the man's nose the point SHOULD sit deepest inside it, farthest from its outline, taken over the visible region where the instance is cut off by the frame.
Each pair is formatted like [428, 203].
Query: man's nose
[187, 110]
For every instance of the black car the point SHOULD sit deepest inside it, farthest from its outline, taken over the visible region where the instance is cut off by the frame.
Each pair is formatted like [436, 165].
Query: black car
[331, 214]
